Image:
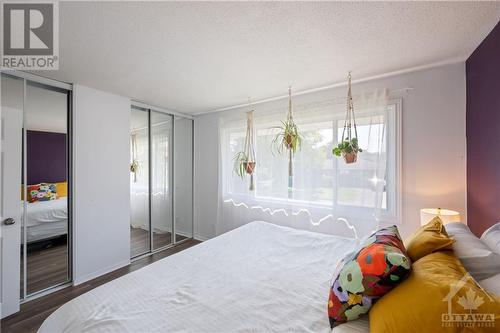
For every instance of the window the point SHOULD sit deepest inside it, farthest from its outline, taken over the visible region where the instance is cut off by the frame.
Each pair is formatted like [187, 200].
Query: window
[322, 180]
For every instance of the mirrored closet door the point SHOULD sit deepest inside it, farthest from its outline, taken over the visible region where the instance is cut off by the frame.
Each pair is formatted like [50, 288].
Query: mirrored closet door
[140, 240]
[44, 247]
[46, 208]
[160, 180]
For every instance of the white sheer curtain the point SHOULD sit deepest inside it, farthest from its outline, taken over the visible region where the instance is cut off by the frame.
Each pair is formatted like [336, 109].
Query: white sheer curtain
[327, 192]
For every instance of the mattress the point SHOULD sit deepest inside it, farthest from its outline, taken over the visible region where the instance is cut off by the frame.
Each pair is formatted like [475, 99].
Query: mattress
[257, 278]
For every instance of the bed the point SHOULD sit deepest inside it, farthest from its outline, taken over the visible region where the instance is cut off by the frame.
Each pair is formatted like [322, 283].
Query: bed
[46, 219]
[257, 278]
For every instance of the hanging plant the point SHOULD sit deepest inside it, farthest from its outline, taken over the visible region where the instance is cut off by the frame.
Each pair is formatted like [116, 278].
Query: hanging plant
[244, 161]
[348, 149]
[288, 139]
[134, 165]
[242, 165]
[348, 146]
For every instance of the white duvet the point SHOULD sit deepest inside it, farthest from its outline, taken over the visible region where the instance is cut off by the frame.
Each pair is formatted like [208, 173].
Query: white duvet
[257, 278]
[41, 212]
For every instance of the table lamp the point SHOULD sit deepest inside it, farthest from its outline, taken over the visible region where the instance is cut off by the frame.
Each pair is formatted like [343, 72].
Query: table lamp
[446, 215]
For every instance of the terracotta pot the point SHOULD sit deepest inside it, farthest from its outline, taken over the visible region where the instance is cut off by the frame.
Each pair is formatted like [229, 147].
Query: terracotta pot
[249, 167]
[350, 157]
[289, 138]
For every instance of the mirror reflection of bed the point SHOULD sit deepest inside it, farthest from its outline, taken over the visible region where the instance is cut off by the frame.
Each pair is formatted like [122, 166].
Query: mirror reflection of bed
[46, 208]
[46, 212]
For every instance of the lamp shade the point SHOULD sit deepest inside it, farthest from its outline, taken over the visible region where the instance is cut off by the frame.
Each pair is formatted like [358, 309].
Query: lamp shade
[446, 215]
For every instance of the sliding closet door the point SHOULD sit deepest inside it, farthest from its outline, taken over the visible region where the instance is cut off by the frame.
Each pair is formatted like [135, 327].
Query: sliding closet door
[183, 178]
[46, 234]
[140, 239]
[161, 179]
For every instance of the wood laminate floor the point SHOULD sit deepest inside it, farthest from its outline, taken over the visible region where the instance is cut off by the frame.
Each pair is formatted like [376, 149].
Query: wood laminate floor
[47, 264]
[139, 240]
[47, 261]
[33, 313]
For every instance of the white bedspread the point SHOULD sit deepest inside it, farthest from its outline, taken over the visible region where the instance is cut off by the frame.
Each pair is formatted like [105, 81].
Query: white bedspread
[40, 212]
[257, 278]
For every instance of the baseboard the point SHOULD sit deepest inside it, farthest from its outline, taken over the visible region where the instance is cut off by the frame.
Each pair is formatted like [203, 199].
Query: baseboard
[184, 234]
[87, 277]
[201, 238]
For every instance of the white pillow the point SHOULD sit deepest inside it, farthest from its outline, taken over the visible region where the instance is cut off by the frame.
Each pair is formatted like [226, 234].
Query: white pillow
[491, 284]
[476, 256]
[491, 237]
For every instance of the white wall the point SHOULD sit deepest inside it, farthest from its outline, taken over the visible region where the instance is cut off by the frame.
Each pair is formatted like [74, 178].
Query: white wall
[206, 155]
[101, 207]
[433, 146]
[183, 170]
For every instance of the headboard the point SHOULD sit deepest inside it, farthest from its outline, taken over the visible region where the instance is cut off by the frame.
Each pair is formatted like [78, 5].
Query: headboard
[46, 157]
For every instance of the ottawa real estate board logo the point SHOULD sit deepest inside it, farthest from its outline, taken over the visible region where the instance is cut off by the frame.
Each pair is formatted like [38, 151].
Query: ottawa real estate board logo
[30, 37]
[466, 306]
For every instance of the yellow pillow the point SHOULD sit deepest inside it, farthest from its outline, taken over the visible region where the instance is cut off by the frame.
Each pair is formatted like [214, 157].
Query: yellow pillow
[62, 189]
[438, 296]
[429, 238]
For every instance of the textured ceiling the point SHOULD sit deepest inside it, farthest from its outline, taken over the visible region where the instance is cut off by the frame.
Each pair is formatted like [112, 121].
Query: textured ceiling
[198, 56]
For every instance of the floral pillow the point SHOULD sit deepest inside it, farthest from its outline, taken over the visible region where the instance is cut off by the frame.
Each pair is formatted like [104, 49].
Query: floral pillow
[42, 192]
[366, 274]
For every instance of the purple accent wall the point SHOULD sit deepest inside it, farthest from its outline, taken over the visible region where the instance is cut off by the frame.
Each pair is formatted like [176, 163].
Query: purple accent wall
[46, 157]
[483, 134]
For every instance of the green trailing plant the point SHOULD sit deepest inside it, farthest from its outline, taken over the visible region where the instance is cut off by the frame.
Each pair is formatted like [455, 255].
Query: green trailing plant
[347, 147]
[238, 168]
[288, 137]
[134, 166]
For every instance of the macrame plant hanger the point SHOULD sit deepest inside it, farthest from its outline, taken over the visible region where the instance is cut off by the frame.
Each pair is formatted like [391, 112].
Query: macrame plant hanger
[134, 166]
[249, 150]
[350, 122]
[290, 150]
